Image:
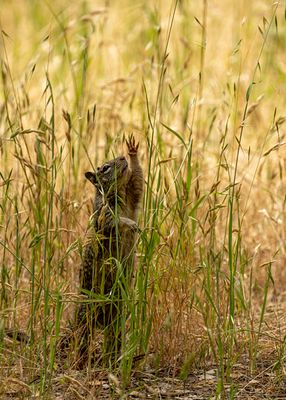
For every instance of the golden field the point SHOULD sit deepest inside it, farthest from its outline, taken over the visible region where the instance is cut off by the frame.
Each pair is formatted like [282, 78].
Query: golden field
[201, 86]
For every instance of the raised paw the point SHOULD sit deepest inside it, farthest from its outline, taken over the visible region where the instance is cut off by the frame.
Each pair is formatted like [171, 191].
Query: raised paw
[132, 146]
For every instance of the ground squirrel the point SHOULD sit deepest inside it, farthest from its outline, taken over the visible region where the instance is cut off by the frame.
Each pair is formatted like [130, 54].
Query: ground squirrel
[111, 240]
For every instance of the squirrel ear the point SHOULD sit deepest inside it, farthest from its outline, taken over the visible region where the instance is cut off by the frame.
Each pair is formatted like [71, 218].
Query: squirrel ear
[91, 176]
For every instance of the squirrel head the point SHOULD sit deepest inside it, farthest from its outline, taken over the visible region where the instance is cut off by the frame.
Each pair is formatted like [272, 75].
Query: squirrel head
[111, 176]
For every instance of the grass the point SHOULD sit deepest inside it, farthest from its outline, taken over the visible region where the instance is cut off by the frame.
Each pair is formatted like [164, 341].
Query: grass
[201, 87]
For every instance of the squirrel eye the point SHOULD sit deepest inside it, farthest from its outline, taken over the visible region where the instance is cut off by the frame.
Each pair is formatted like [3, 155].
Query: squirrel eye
[106, 168]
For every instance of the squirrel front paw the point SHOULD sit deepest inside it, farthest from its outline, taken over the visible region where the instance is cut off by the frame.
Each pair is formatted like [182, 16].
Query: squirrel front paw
[129, 224]
[131, 145]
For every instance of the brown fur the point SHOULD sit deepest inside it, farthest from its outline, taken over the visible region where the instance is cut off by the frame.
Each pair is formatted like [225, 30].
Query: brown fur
[111, 240]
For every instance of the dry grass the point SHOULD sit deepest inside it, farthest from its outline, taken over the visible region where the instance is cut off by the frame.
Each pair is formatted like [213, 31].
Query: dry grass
[201, 86]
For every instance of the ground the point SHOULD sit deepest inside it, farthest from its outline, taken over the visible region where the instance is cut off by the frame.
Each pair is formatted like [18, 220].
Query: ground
[148, 384]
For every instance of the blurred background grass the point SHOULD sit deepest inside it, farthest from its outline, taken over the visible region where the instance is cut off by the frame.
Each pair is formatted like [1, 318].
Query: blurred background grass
[204, 95]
